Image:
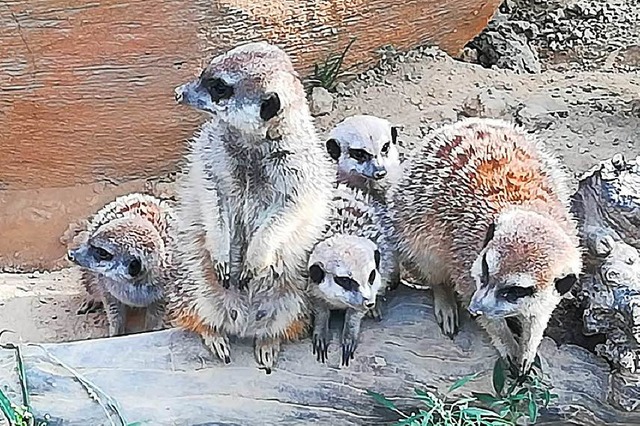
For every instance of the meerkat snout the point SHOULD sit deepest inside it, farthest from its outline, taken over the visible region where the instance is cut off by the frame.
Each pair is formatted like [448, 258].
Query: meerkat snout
[379, 173]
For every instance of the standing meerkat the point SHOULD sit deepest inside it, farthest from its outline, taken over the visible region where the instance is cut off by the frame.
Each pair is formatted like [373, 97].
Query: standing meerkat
[125, 259]
[365, 148]
[254, 201]
[349, 269]
[484, 208]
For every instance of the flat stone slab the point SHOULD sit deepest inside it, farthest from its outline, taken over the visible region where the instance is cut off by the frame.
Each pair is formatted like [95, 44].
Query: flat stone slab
[170, 378]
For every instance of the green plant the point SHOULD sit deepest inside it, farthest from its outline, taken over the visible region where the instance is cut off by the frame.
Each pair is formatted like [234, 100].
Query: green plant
[515, 399]
[328, 74]
[19, 415]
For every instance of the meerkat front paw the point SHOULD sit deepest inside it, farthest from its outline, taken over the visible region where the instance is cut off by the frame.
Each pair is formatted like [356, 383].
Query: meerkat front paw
[320, 341]
[350, 335]
[89, 306]
[222, 273]
[219, 345]
[266, 351]
[445, 308]
[375, 312]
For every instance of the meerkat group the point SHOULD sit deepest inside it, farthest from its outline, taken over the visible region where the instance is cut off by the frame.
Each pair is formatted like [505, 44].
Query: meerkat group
[273, 228]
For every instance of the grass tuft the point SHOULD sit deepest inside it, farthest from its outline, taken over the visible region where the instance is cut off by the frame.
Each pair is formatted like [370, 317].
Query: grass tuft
[515, 399]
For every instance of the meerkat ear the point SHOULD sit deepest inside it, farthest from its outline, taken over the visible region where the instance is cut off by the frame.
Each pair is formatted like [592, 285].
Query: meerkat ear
[135, 267]
[376, 257]
[316, 273]
[489, 236]
[333, 148]
[564, 284]
[270, 106]
[394, 135]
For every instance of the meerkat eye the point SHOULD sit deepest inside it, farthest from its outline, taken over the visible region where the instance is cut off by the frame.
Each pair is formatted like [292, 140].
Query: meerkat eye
[385, 147]
[218, 89]
[372, 276]
[347, 283]
[512, 294]
[135, 267]
[101, 254]
[360, 155]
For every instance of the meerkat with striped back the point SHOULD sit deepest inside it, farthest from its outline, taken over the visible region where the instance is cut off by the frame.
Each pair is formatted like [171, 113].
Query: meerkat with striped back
[483, 209]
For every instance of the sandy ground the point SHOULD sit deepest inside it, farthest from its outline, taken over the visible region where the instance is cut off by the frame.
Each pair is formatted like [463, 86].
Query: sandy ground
[583, 116]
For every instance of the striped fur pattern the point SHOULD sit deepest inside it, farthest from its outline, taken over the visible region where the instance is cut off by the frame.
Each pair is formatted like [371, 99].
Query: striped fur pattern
[254, 200]
[484, 207]
[350, 268]
[126, 258]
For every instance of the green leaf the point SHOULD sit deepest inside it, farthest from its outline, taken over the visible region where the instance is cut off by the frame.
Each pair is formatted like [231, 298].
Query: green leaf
[463, 381]
[533, 411]
[5, 407]
[380, 399]
[479, 412]
[498, 376]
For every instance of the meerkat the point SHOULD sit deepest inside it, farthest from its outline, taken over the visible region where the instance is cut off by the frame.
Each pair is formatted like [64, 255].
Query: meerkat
[124, 260]
[349, 269]
[254, 200]
[365, 149]
[484, 209]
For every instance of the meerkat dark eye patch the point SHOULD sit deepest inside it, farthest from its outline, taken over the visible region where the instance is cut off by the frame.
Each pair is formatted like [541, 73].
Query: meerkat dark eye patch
[376, 258]
[372, 276]
[347, 283]
[394, 135]
[270, 106]
[385, 147]
[101, 254]
[563, 285]
[135, 267]
[484, 278]
[316, 274]
[360, 155]
[217, 88]
[333, 148]
[489, 235]
[514, 293]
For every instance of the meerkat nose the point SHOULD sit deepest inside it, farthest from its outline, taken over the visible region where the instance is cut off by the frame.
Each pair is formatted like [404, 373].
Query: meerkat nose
[369, 304]
[379, 174]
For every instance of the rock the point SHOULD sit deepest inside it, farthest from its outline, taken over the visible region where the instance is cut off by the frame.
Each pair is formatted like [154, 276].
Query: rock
[321, 101]
[489, 103]
[469, 54]
[541, 111]
[169, 377]
[501, 45]
[607, 205]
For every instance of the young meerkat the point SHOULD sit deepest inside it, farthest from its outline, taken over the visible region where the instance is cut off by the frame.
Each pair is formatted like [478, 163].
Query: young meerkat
[484, 208]
[254, 200]
[125, 258]
[349, 269]
[365, 148]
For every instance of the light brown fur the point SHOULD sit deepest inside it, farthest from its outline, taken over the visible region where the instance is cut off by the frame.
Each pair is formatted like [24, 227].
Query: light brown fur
[253, 201]
[466, 177]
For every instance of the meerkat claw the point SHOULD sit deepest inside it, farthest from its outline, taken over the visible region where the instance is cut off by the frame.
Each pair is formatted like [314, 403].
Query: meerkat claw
[348, 350]
[446, 310]
[320, 347]
[222, 271]
[220, 346]
[89, 306]
[266, 351]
